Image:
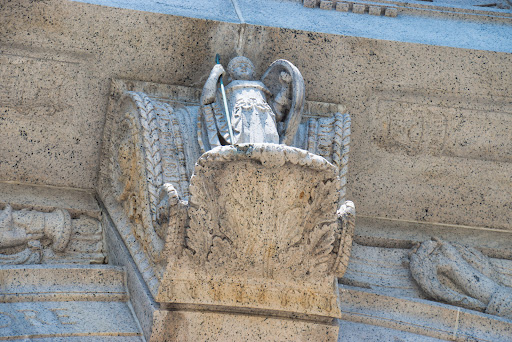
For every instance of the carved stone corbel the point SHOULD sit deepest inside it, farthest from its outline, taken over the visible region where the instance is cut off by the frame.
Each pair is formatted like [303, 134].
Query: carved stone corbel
[149, 185]
[264, 233]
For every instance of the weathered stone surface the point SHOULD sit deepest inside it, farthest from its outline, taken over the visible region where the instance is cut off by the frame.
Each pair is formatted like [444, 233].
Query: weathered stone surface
[53, 319]
[372, 231]
[460, 276]
[56, 76]
[446, 167]
[467, 76]
[350, 331]
[33, 237]
[425, 318]
[387, 271]
[26, 283]
[212, 326]
[477, 10]
[235, 253]
[383, 270]
[62, 303]
[75, 201]
[143, 303]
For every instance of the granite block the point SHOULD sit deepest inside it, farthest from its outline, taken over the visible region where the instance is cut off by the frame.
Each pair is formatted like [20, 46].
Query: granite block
[416, 319]
[391, 12]
[44, 198]
[143, 303]
[343, 7]
[195, 326]
[388, 233]
[62, 283]
[57, 63]
[359, 8]
[326, 5]
[375, 10]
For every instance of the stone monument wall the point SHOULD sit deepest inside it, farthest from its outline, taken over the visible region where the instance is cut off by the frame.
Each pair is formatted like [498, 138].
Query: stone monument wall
[430, 123]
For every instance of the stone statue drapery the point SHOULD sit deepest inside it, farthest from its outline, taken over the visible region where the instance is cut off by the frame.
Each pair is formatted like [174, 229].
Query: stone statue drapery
[266, 111]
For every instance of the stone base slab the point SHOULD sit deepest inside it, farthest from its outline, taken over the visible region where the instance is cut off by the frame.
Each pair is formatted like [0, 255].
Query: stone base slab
[86, 303]
[67, 321]
[195, 326]
[401, 317]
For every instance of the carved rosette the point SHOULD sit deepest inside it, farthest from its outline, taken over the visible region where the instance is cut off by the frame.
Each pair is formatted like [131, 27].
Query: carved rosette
[264, 233]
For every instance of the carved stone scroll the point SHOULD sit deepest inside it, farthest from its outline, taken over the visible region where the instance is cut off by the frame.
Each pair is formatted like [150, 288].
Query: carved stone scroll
[329, 137]
[460, 276]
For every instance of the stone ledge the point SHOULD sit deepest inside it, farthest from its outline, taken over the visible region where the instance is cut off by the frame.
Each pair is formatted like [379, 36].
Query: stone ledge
[48, 198]
[421, 317]
[37, 283]
[67, 321]
[381, 232]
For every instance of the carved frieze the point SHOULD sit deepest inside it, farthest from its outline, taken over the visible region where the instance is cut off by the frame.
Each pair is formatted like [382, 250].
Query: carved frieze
[437, 125]
[33, 237]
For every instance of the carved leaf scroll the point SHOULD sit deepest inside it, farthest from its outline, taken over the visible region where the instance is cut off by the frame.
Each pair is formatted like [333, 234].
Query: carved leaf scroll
[150, 137]
[265, 210]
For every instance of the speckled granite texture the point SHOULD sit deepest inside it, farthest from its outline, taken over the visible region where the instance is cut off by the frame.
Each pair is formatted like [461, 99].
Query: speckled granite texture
[447, 166]
[193, 326]
[431, 115]
[65, 303]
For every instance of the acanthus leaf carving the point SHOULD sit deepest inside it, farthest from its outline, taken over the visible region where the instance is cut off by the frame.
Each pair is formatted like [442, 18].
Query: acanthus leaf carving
[290, 226]
[153, 160]
[175, 219]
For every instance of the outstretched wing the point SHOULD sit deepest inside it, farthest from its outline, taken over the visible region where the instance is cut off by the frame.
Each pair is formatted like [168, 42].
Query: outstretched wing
[286, 84]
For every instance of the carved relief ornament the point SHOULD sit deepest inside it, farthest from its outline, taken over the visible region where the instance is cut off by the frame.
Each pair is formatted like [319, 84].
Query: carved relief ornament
[154, 136]
[461, 276]
[33, 237]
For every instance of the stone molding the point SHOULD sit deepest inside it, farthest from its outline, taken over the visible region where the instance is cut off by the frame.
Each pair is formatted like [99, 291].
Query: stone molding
[421, 317]
[393, 8]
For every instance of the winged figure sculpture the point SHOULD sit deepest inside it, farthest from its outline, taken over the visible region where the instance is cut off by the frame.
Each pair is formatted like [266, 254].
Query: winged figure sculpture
[165, 148]
[264, 111]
